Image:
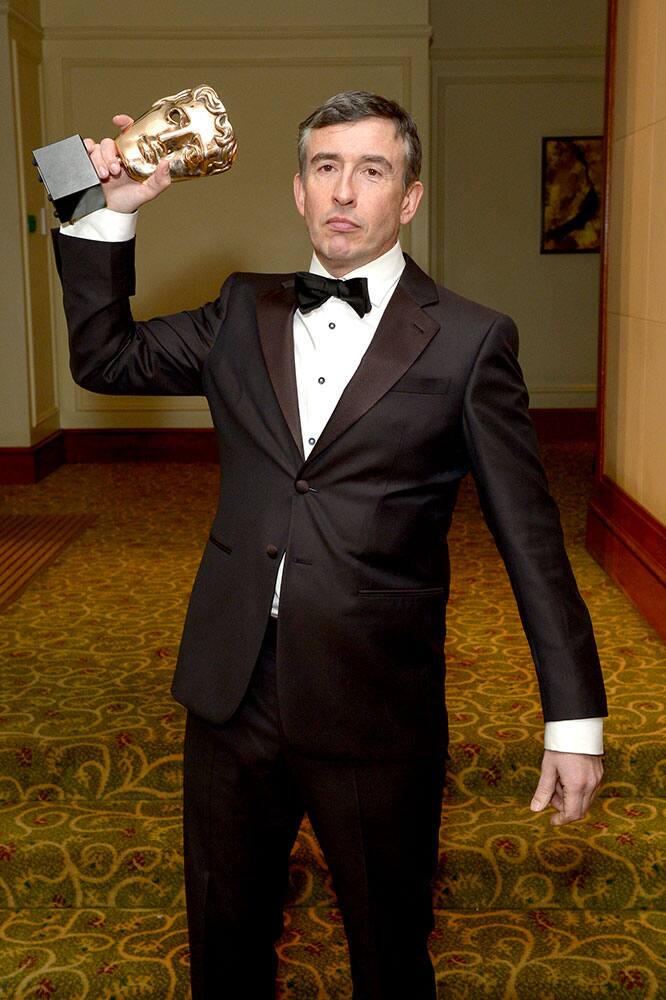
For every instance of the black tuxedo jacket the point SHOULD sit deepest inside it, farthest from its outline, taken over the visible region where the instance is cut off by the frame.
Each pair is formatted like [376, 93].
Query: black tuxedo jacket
[363, 520]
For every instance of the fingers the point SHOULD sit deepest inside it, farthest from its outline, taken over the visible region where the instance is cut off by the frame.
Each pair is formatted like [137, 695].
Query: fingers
[104, 158]
[575, 799]
[568, 783]
[104, 154]
[121, 192]
[546, 787]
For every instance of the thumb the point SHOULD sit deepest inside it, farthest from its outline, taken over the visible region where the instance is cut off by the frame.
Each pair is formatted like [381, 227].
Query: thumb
[122, 121]
[161, 174]
[544, 790]
[159, 180]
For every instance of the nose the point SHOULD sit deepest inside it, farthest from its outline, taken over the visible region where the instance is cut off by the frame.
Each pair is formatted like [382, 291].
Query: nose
[174, 137]
[344, 192]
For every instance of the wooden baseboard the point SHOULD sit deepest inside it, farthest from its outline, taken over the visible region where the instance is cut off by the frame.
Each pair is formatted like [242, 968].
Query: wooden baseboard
[20, 466]
[630, 544]
[141, 445]
[169, 444]
[565, 425]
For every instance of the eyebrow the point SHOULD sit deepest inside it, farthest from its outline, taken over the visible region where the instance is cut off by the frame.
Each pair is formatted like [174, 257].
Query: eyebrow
[367, 158]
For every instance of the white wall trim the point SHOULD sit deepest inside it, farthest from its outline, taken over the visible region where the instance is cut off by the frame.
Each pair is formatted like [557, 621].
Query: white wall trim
[8, 8]
[230, 34]
[90, 402]
[571, 388]
[27, 311]
[467, 78]
[526, 52]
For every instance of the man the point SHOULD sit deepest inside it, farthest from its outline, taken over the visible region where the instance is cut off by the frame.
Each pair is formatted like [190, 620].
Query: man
[311, 662]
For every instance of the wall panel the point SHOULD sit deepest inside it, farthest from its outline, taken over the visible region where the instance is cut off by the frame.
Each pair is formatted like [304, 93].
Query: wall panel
[491, 109]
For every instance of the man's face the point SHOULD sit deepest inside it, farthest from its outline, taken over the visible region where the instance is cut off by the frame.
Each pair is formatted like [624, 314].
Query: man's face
[183, 131]
[351, 194]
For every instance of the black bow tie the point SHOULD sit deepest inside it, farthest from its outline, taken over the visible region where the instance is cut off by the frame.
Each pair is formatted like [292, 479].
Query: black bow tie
[312, 290]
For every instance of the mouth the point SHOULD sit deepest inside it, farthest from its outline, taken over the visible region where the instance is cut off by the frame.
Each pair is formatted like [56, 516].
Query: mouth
[151, 149]
[341, 224]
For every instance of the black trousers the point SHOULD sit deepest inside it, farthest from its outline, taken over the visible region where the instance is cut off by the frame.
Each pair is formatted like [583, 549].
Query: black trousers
[245, 795]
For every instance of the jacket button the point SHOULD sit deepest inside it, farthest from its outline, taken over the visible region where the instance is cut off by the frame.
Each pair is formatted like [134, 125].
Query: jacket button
[302, 486]
[272, 551]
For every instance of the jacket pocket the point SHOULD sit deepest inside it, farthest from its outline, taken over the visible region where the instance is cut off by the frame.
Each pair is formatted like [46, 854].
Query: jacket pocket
[403, 592]
[422, 385]
[220, 545]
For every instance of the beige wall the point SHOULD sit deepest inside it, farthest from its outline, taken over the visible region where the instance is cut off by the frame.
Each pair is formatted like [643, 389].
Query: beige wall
[635, 395]
[505, 74]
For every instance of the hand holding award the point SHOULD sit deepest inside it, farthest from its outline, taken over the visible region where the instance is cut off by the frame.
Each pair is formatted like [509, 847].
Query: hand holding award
[182, 136]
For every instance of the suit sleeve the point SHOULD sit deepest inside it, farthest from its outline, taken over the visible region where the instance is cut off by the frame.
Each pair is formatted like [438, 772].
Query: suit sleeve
[112, 353]
[525, 523]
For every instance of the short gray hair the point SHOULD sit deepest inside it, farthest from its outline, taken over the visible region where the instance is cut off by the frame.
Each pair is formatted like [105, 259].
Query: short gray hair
[353, 106]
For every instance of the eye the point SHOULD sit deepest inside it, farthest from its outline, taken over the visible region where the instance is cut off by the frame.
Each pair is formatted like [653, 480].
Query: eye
[176, 116]
[373, 172]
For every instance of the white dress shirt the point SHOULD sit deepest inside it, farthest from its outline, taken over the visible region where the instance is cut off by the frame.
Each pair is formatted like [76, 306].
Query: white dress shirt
[329, 343]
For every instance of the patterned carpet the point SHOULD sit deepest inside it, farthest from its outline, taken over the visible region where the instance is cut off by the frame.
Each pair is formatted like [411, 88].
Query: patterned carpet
[91, 898]
[28, 542]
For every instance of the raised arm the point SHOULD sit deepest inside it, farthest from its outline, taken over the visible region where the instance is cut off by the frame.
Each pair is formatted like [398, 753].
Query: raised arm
[109, 351]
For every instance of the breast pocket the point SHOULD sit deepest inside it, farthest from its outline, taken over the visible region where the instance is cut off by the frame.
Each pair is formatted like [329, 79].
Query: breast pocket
[422, 386]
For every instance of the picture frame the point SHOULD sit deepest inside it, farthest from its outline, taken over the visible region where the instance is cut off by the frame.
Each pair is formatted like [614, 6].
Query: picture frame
[571, 193]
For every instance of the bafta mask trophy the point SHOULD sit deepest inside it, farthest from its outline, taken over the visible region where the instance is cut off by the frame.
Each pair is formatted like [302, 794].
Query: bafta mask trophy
[189, 129]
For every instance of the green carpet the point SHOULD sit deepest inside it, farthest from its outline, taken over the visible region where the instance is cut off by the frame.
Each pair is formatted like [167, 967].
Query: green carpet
[91, 897]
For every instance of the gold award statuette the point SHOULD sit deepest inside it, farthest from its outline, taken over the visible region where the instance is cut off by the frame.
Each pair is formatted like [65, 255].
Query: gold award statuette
[189, 129]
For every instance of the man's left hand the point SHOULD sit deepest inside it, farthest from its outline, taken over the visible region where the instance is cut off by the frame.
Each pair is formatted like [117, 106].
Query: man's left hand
[568, 782]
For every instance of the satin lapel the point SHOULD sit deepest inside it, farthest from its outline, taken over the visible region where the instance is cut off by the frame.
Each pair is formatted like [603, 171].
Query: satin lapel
[403, 333]
[275, 317]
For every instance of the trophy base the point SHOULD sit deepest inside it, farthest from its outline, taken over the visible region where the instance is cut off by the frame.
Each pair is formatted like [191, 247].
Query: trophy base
[71, 182]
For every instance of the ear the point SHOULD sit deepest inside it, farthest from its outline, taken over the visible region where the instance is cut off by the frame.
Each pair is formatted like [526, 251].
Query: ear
[410, 202]
[299, 194]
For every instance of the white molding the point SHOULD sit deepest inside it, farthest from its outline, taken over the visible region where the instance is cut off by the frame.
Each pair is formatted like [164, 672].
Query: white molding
[225, 33]
[45, 417]
[7, 8]
[27, 300]
[90, 402]
[472, 78]
[500, 53]
[562, 400]
[570, 388]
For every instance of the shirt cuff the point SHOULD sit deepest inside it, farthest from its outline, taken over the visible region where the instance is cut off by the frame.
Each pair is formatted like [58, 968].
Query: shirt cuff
[575, 736]
[104, 225]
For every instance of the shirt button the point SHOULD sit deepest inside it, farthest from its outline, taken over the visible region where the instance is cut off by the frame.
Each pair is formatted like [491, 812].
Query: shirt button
[272, 551]
[321, 380]
[302, 486]
[311, 440]
[331, 326]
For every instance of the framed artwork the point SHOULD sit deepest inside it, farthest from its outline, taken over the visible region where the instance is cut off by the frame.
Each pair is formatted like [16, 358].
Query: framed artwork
[571, 186]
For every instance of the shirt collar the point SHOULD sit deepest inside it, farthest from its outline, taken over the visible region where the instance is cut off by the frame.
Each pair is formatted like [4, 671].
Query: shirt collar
[382, 273]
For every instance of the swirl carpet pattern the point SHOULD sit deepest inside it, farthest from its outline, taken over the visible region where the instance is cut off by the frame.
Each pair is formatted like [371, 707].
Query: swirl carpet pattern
[91, 894]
